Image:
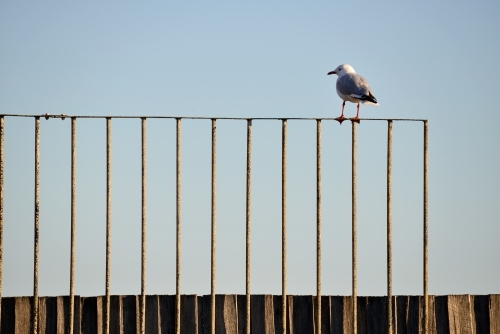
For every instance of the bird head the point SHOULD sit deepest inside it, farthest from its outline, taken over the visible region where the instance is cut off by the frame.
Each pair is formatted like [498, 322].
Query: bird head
[342, 69]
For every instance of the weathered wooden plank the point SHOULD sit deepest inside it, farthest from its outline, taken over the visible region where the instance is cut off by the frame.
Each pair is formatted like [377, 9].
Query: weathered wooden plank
[348, 321]
[189, 314]
[415, 315]
[92, 320]
[115, 314]
[152, 314]
[376, 315]
[8, 319]
[432, 314]
[302, 315]
[201, 325]
[227, 315]
[482, 314]
[336, 315]
[62, 314]
[241, 304]
[262, 314]
[77, 324]
[47, 315]
[362, 319]
[130, 314]
[441, 309]
[278, 323]
[400, 314]
[23, 315]
[459, 314]
[326, 315]
[494, 314]
[167, 314]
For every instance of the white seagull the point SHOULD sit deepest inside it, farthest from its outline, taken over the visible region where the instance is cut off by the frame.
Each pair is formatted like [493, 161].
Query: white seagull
[354, 88]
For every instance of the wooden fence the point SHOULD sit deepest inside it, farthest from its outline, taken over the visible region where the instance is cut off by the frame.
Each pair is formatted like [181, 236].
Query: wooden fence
[464, 314]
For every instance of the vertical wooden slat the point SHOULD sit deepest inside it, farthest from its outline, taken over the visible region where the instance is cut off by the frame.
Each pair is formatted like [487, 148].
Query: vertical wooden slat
[482, 314]
[414, 315]
[459, 314]
[376, 315]
[303, 318]
[337, 315]
[130, 316]
[189, 311]
[152, 321]
[441, 309]
[361, 312]
[167, 313]
[115, 320]
[494, 313]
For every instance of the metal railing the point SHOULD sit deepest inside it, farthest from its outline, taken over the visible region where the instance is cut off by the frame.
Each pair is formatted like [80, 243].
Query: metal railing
[35, 304]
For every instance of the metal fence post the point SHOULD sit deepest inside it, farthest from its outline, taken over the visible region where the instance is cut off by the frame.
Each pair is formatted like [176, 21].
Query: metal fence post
[283, 225]
[354, 234]
[248, 221]
[318, 227]
[143, 241]
[389, 227]
[214, 216]
[178, 224]
[108, 223]
[2, 132]
[73, 228]
[34, 314]
[426, 226]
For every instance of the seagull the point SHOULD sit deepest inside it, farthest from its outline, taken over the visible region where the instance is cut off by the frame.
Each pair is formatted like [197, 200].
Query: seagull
[354, 88]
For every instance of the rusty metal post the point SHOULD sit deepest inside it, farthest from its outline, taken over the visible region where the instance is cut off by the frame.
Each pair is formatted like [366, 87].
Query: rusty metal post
[143, 241]
[354, 234]
[73, 228]
[2, 132]
[108, 224]
[389, 227]
[426, 226]
[248, 212]
[283, 225]
[318, 228]
[214, 216]
[178, 223]
[34, 314]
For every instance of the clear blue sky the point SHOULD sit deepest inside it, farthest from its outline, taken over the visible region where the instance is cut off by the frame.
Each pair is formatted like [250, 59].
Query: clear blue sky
[435, 60]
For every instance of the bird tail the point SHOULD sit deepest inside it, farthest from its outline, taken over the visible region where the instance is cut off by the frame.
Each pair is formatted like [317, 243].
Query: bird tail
[369, 99]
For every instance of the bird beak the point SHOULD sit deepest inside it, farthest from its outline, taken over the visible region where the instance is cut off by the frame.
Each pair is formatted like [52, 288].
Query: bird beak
[332, 72]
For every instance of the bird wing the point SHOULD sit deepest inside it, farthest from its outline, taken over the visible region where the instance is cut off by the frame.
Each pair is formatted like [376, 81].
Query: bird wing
[352, 84]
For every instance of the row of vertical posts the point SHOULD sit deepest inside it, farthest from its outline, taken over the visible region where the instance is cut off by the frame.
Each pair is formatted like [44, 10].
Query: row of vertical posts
[35, 305]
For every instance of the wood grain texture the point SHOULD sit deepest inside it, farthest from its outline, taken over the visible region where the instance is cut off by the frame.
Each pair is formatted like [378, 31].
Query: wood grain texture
[302, 315]
[376, 315]
[464, 314]
[262, 314]
[482, 314]
[167, 314]
[362, 317]
[189, 314]
[441, 314]
[415, 315]
[494, 314]
[153, 314]
[459, 314]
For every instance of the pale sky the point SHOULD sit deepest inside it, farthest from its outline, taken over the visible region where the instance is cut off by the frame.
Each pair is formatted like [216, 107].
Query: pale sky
[429, 60]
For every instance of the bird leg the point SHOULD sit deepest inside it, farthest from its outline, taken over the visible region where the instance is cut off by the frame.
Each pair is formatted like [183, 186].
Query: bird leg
[356, 119]
[341, 118]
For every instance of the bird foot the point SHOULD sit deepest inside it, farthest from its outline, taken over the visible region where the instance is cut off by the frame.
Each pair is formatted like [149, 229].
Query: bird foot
[340, 119]
[355, 119]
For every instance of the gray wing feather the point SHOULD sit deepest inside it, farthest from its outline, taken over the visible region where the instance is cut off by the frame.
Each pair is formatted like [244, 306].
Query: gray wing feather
[352, 83]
